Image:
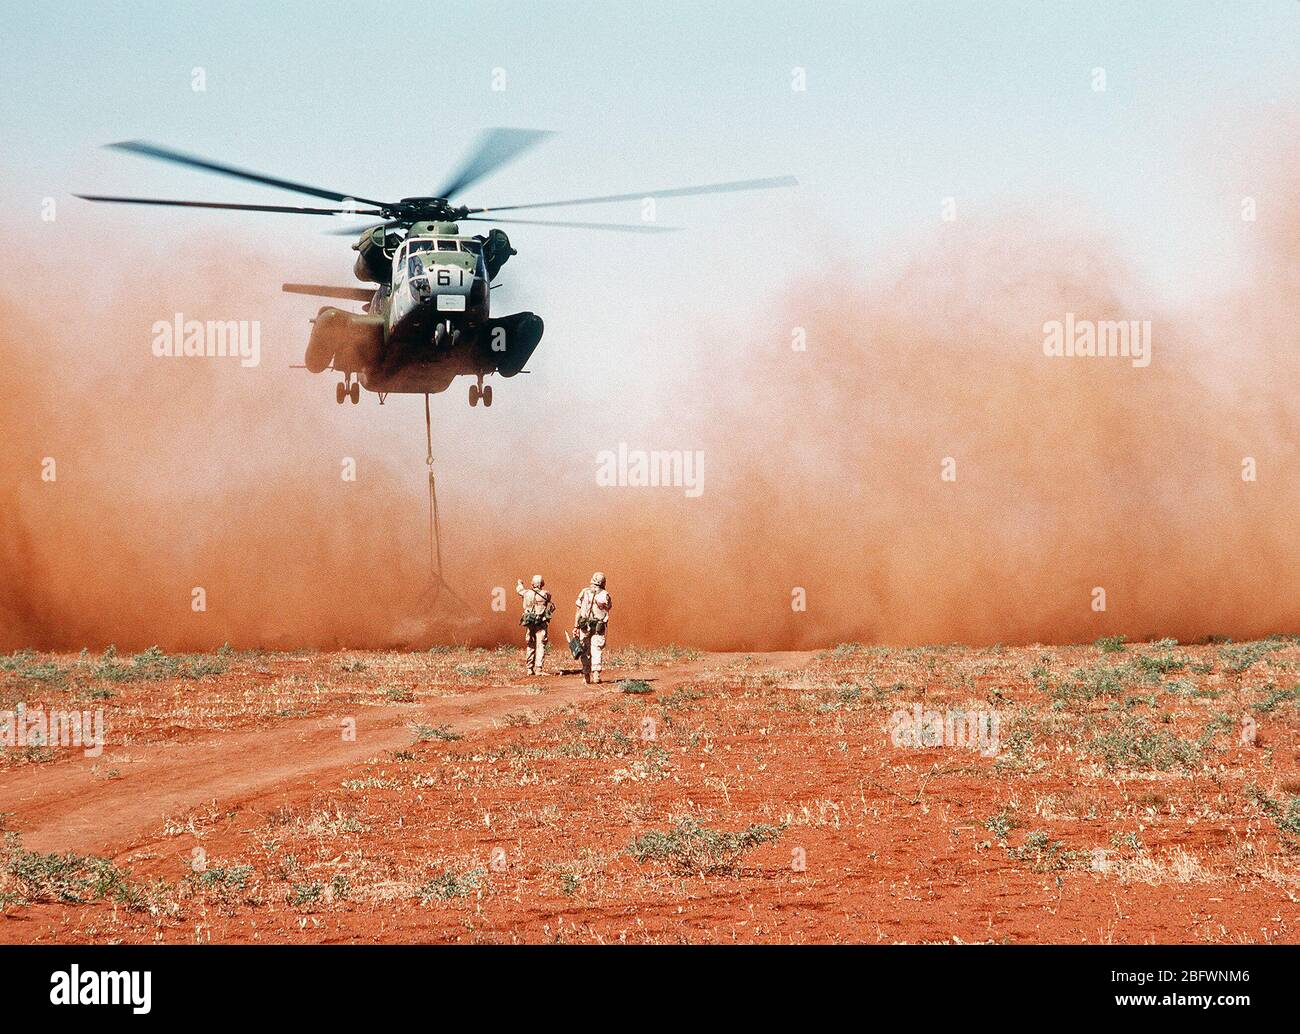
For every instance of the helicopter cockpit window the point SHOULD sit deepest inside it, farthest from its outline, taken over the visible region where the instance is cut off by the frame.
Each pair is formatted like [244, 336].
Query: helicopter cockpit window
[415, 247]
[414, 267]
[447, 246]
[473, 247]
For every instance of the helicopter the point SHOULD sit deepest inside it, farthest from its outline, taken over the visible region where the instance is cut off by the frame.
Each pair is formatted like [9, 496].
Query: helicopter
[426, 318]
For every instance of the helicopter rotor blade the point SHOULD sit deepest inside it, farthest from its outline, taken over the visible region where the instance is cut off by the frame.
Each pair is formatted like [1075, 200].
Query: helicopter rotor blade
[165, 154]
[709, 188]
[494, 148]
[291, 209]
[357, 231]
[622, 227]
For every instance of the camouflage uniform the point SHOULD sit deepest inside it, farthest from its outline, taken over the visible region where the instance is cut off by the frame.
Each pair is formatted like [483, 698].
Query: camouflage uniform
[537, 601]
[594, 605]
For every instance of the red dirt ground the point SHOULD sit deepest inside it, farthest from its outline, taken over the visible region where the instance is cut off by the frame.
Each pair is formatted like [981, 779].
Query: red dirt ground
[1146, 793]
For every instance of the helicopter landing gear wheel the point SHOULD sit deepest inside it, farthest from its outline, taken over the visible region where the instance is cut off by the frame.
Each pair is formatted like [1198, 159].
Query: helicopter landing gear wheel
[478, 391]
[354, 392]
[340, 392]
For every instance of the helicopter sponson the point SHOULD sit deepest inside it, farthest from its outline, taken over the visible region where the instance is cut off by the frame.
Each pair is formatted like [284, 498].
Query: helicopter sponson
[348, 341]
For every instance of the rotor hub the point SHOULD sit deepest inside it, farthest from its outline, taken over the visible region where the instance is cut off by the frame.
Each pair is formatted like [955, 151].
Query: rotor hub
[427, 209]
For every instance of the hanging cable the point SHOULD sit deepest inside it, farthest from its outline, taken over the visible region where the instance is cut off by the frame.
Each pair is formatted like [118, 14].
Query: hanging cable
[435, 538]
[437, 584]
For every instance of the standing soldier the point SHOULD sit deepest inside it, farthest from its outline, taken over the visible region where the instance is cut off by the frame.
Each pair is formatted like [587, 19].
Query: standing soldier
[538, 611]
[589, 625]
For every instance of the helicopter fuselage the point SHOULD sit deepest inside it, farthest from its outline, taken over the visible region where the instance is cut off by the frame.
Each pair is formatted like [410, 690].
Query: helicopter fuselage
[435, 306]
[428, 323]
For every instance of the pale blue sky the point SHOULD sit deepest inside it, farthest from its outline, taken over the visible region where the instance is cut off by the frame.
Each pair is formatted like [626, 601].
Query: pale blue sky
[906, 103]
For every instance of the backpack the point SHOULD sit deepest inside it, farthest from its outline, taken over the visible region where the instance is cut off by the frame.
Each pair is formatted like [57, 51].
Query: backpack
[590, 622]
[533, 618]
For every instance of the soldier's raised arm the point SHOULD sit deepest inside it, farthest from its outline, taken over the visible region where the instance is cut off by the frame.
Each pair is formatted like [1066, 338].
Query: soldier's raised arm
[519, 586]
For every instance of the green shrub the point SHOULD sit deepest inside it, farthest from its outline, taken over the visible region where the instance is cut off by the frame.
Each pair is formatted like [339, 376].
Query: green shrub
[695, 848]
[1135, 744]
[425, 733]
[450, 885]
[1237, 659]
[72, 878]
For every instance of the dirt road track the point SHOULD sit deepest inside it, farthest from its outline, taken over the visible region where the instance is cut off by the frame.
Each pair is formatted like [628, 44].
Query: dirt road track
[76, 806]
